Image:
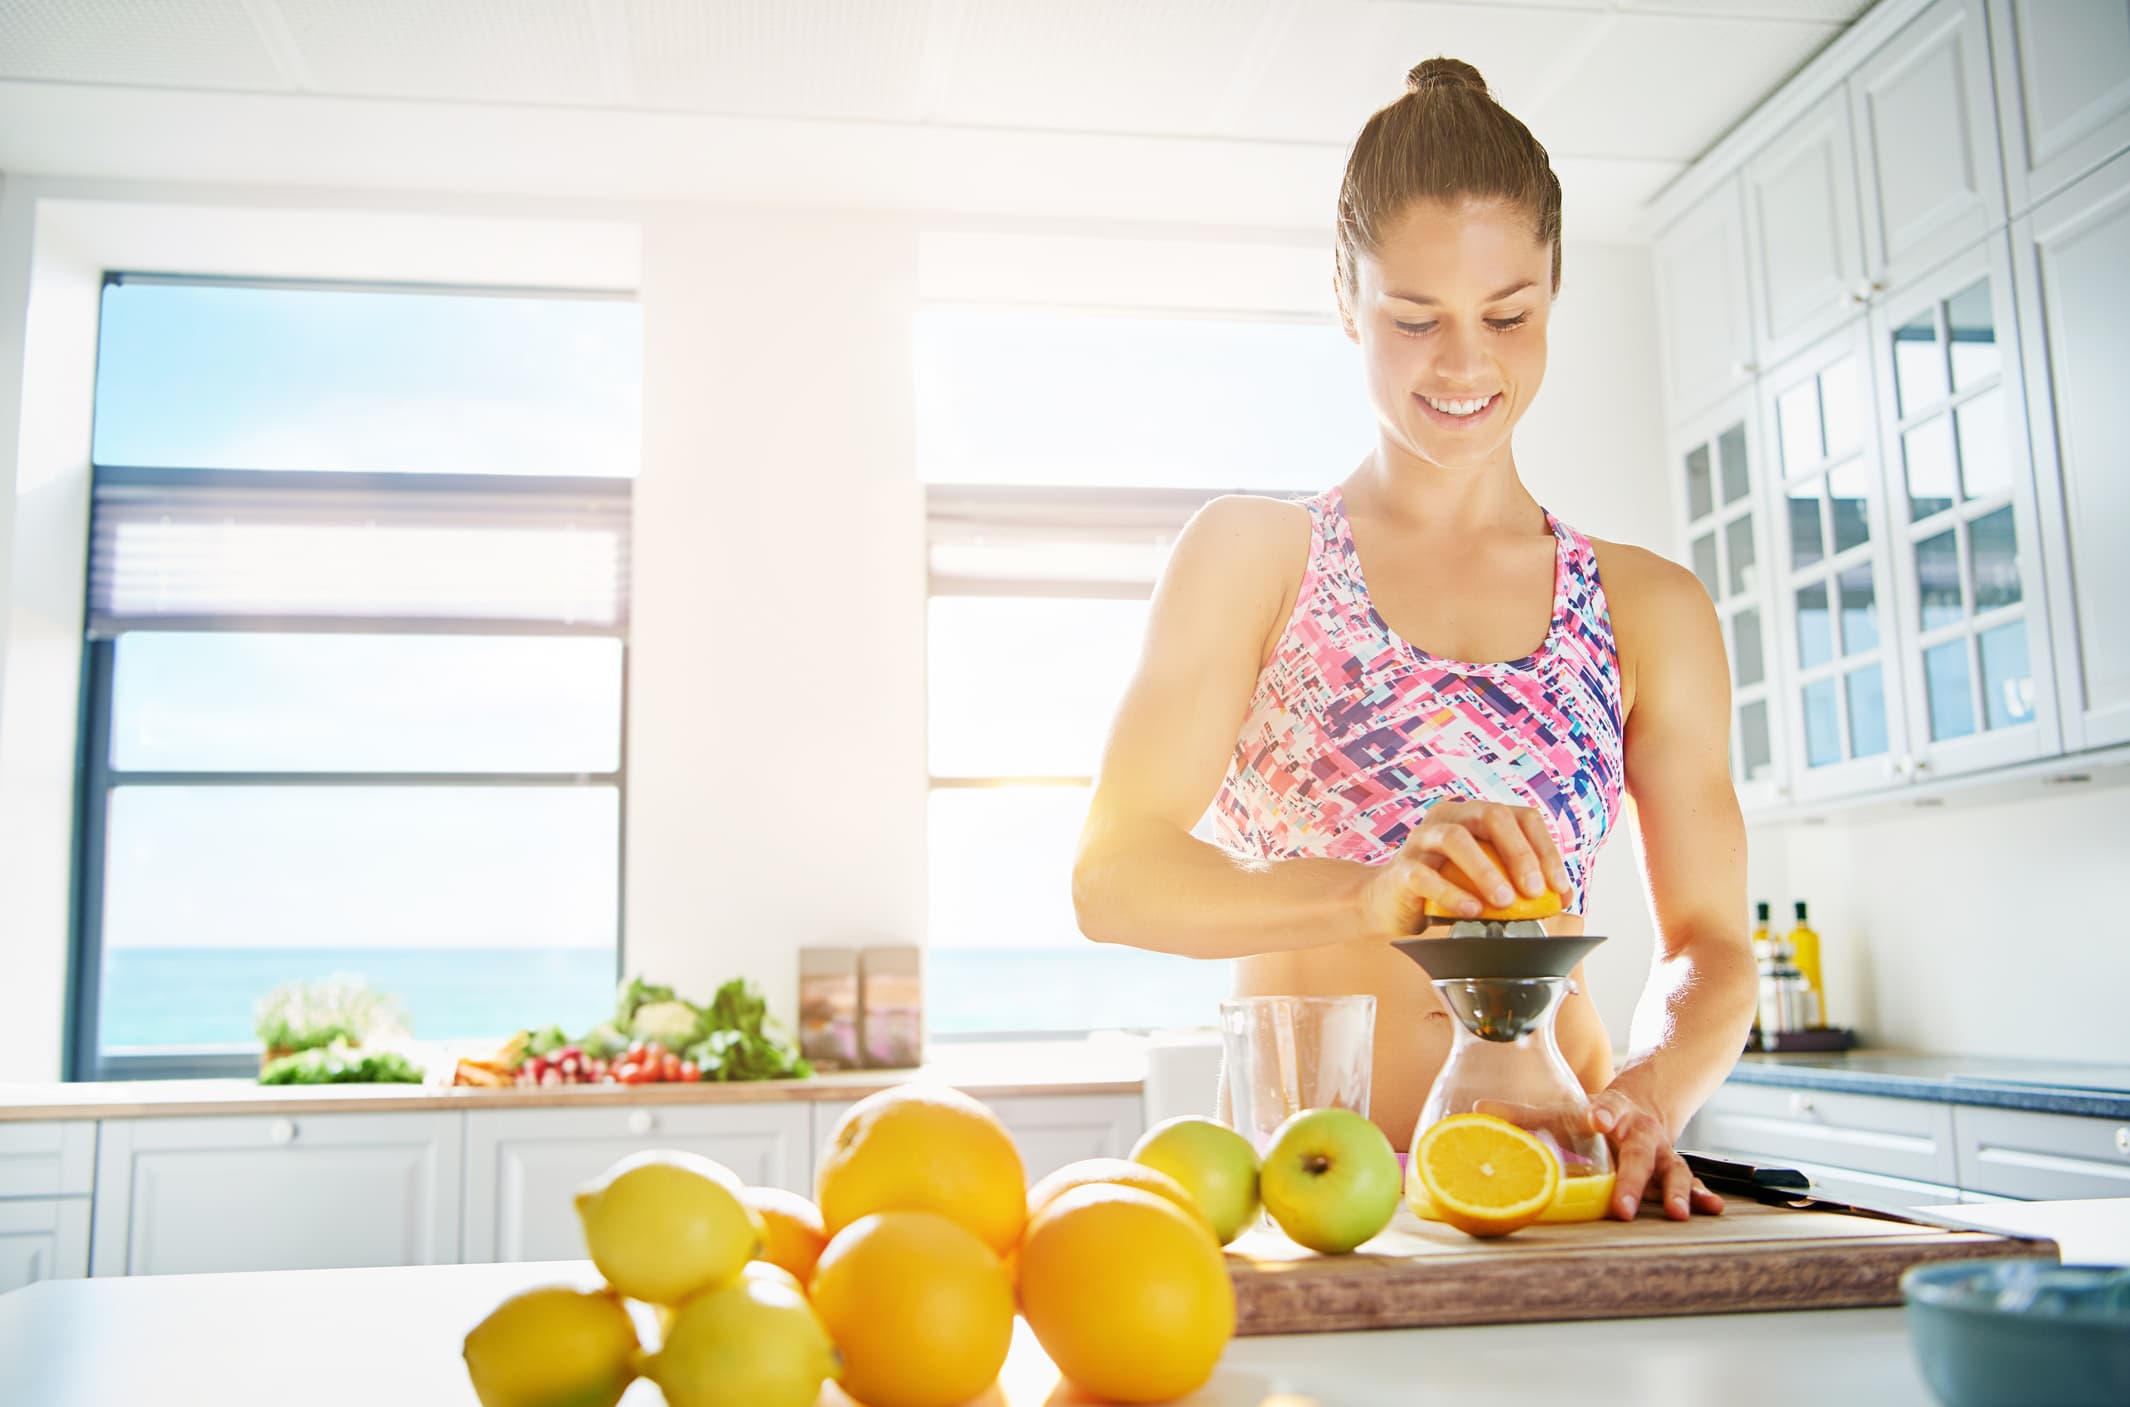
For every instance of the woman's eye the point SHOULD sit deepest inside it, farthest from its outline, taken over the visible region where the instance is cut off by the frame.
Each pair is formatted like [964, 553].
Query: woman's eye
[1414, 329]
[1504, 324]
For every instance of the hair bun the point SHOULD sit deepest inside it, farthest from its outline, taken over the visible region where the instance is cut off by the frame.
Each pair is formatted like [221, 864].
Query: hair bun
[1444, 73]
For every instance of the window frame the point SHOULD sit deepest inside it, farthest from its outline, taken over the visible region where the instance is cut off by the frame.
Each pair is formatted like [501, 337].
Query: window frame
[96, 779]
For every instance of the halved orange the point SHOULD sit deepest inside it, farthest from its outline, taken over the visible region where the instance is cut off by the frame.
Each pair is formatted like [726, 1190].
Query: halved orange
[1485, 1176]
[1545, 905]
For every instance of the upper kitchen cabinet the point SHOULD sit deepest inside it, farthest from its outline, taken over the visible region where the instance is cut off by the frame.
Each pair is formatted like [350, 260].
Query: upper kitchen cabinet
[1703, 305]
[1971, 621]
[2072, 266]
[1832, 570]
[1926, 140]
[2063, 90]
[1718, 468]
[1802, 233]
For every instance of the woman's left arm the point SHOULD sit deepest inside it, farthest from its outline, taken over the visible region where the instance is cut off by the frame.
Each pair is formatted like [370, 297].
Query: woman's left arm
[1692, 1019]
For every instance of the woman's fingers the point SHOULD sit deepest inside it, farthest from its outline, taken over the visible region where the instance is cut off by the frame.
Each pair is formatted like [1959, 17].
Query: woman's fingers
[1456, 844]
[1705, 1201]
[1677, 1180]
[1422, 881]
[1506, 829]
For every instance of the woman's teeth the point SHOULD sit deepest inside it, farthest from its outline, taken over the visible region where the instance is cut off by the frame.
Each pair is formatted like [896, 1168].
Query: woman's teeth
[1458, 407]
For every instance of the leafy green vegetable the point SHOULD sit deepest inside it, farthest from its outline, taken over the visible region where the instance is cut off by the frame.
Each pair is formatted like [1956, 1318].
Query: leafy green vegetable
[739, 1045]
[635, 993]
[339, 1063]
[306, 1015]
[546, 1040]
[603, 1042]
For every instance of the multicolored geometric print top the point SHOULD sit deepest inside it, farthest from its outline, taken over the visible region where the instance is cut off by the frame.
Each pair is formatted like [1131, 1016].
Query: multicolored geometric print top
[1353, 733]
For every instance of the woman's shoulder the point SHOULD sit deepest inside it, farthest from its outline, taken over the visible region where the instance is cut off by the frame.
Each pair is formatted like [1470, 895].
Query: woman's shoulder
[1656, 605]
[1243, 557]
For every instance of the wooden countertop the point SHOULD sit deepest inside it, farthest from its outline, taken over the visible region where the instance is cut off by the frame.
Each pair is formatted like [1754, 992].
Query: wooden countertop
[987, 1070]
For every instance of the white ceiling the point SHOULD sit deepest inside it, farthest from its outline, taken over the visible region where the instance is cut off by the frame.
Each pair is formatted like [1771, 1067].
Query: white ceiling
[1014, 106]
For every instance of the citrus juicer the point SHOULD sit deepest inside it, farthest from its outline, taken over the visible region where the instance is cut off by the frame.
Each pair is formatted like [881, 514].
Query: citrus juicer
[1504, 981]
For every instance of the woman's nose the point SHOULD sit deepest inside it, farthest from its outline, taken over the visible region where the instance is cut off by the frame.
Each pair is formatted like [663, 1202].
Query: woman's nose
[1460, 356]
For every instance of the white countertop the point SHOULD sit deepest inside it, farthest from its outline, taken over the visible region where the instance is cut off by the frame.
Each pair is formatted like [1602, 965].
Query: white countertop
[353, 1338]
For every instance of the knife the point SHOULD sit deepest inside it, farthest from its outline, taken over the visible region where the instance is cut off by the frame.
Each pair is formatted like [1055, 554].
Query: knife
[1792, 1189]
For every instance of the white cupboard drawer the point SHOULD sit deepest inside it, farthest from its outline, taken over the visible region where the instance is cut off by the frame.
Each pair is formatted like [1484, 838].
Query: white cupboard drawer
[2016, 1153]
[307, 1192]
[524, 1166]
[43, 1238]
[1910, 1139]
[55, 1158]
[1051, 1130]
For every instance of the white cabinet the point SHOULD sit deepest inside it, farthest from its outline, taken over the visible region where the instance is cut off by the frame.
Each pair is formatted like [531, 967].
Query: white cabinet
[2063, 90]
[1704, 309]
[1716, 458]
[2018, 1153]
[1051, 1130]
[524, 1165]
[277, 1193]
[1908, 1139]
[1926, 138]
[43, 1238]
[1832, 569]
[1802, 232]
[47, 1158]
[1969, 606]
[2072, 267]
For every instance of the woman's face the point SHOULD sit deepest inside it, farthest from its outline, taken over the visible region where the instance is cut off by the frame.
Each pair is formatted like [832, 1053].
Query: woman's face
[1450, 314]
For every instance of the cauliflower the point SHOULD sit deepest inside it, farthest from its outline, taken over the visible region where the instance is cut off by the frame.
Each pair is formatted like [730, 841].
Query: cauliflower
[671, 1023]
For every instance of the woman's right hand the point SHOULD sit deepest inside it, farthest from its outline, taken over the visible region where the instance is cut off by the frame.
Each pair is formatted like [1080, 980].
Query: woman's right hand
[1442, 860]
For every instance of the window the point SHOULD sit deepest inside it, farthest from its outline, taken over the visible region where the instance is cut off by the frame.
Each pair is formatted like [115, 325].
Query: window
[1063, 453]
[355, 661]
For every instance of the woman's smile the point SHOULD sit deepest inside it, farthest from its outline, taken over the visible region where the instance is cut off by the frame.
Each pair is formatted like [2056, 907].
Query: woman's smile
[1433, 406]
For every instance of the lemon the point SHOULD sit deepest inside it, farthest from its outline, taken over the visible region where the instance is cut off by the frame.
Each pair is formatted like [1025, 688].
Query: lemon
[662, 1225]
[553, 1347]
[752, 1343]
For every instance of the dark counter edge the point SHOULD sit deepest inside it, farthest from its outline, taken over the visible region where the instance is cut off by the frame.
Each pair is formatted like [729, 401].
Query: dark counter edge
[2039, 1099]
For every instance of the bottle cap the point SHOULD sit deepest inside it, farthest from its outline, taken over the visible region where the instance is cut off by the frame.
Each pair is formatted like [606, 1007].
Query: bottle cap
[1800, 911]
[1760, 911]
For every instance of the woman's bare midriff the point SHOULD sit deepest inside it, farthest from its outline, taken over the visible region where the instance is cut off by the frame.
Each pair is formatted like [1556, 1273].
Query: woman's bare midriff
[1413, 1030]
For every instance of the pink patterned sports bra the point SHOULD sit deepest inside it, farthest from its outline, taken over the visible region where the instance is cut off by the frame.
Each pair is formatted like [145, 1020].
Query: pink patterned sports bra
[1353, 733]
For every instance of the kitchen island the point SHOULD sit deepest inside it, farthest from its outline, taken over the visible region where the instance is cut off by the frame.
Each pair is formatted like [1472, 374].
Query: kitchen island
[354, 1338]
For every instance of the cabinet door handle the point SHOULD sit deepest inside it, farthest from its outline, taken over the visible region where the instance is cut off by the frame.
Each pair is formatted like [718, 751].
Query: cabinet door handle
[282, 1131]
[2122, 1140]
[1741, 370]
[640, 1122]
[1801, 1104]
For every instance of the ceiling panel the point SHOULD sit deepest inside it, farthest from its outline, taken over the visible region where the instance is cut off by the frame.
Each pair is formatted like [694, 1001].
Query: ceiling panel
[1338, 62]
[1664, 88]
[177, 44]
[527, 51]
[816, 58]
[1099, 65]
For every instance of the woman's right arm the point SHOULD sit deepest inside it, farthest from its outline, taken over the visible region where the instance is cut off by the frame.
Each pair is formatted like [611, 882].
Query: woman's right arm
[1142, 878]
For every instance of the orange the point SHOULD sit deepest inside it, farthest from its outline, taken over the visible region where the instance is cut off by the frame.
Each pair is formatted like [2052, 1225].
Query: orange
[919, 1307]
[1544, 906]
[1127, 1293]
[795, 1233]
[920, 1149]
[1485, 1176]
[1120, 1171]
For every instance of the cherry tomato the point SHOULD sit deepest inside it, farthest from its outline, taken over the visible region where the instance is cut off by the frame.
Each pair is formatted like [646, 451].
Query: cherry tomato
[654, 1050]
[627, 1071]
[689, 1074]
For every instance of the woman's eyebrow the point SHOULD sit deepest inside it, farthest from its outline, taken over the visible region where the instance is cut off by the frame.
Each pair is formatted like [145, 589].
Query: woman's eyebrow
[1423, 298]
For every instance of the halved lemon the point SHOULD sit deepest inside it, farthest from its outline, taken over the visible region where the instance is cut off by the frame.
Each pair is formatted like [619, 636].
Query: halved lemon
[1545, 905]
[1485, 1176]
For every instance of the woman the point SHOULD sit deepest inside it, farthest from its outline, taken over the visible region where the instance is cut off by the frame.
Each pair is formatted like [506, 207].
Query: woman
[1493, 675]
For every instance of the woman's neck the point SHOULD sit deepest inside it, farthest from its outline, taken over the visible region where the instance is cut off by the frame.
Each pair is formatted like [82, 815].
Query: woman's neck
[1410, 491]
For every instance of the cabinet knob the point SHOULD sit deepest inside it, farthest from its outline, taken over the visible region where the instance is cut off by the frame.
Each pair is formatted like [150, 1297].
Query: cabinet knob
[640, 1122]
[1741, 370]
[282, 1131]
[2122, 1140]
[1800, 1104]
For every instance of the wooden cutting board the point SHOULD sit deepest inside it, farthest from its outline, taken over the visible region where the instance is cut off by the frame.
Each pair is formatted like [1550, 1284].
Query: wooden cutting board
[1753, 1257]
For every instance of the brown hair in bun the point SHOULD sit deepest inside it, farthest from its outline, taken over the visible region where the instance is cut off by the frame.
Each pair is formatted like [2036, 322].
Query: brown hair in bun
[1446, 139]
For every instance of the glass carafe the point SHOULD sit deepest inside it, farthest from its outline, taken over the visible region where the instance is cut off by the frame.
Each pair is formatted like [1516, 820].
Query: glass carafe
[1505, 1061]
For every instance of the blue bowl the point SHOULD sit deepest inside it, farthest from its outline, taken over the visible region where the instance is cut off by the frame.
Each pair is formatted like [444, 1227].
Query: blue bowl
[2021, 1332]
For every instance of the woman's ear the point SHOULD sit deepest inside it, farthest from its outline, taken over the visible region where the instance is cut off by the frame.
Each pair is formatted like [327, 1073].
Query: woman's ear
[1338, 293]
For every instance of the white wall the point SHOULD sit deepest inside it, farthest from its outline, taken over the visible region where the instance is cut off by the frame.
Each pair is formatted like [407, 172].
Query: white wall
[1993, 926]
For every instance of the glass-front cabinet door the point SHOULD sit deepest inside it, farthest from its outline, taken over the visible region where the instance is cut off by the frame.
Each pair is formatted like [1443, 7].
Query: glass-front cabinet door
[1715, 457]
[1833, 594]
[1975, 642]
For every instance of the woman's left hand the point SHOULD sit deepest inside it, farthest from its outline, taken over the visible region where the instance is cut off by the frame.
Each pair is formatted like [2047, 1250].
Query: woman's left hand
[1648, 1168]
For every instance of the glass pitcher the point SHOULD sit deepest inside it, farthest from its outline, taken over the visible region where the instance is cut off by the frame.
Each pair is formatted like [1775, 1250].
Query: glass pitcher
[1505, 992]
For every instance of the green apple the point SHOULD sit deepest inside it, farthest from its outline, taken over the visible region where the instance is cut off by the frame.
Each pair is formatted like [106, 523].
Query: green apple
[1330, 1179]
[1215, 1164]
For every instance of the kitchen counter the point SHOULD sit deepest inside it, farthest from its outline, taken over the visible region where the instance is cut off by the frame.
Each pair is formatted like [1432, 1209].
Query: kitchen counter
[984, 1069]
[393, 1335]
[2043, 1086]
